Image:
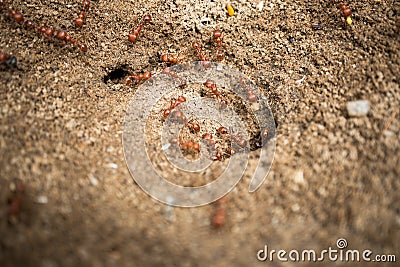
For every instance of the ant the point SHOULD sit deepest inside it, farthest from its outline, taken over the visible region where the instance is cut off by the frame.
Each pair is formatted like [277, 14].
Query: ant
[199, 49]
[82, 15]
[8, 61]
[209, 138]
[240, 141]
[137, 78]
[194, 126]
[173, 74]
[210, 84]
[218, 37]
[218, 151]
[231, 151]
[191, 146]
[48, 31]
[169, 59]
[174, 104]
[218, 155]
[15, 200]
[250, 95]
[222, 130]
[132, 37]
[346, 11]
[218, 219]
[180, 116]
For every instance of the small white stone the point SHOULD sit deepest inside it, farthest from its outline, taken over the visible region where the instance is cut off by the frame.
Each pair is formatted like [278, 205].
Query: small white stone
[358, 108]
[299, 177]
[93, 180]
[295, 207]
[301, 80]
[42, 200]
[388, 133]
[70, 124]
[260, 6]
[112, 165]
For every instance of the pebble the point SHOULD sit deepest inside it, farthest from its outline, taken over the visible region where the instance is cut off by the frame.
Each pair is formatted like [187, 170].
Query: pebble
[299, 177]
[295, 207]
[93, 180]
[112, 165]
[260, 6]
[358, 108]
[42, 200]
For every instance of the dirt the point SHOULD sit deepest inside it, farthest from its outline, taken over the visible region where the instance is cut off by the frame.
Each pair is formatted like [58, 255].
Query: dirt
[61, 122]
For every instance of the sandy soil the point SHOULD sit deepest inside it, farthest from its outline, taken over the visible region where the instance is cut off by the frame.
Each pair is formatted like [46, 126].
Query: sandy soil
[61, 121]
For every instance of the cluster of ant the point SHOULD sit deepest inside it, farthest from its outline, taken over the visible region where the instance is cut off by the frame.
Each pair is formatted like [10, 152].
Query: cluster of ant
[219, 153]
[214, 92]
[218, 37]
[170, 59]
[132, 37]
[44, 30]
[194, 147]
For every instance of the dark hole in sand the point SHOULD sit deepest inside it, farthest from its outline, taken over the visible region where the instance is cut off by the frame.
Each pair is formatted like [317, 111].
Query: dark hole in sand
[117, 75]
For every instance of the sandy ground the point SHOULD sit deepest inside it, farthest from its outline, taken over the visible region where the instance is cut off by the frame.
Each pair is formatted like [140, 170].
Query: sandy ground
[61, 121]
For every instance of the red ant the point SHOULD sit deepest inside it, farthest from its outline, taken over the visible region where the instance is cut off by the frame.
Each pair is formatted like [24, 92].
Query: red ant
[173, 74]
[346, 11]
[137, 78]
[231, 151]
[173, 105]
[218, 219]
[191, 146]
[132, 37]
[82, 15]
[218, 152]
[169, 59]
[209, 138]
[218, 155]
[218, 37]
[7, 60]
[15, 201]
[250, 95]
[198, 47]
[222, 130]
[210, 84]
[240, 141]
[48, 31]
[194, 126]
[180, 116]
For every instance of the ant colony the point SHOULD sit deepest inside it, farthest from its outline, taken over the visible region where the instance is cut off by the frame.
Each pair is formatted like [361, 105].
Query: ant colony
[198, 116]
